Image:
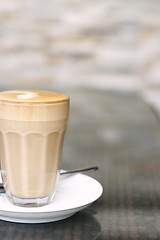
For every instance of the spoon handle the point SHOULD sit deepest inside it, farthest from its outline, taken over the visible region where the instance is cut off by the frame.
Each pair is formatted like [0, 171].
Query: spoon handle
[79, 170]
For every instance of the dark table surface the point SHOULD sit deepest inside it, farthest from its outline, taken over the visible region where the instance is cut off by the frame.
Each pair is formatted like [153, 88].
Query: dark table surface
[119, 133]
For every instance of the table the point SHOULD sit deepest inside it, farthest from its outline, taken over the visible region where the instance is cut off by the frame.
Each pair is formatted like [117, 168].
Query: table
[119, 133]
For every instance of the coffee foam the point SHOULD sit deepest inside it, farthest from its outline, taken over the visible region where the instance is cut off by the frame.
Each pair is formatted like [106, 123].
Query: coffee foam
[32, 96]
[33, 105]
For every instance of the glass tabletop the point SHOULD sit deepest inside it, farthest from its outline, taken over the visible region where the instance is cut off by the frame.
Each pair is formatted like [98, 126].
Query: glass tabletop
[119, 133]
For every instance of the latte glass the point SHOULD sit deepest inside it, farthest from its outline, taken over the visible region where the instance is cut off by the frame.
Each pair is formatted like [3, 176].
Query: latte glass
[32, 127]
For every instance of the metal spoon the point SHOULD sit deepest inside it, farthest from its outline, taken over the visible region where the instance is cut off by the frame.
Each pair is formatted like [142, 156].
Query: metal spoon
[79, 170]
[64, 173]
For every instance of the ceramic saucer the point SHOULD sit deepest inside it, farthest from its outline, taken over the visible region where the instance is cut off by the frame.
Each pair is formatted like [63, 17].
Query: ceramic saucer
[74, 193]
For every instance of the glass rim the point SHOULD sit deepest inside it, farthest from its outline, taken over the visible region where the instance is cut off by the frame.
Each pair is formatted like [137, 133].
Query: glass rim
[14, 102]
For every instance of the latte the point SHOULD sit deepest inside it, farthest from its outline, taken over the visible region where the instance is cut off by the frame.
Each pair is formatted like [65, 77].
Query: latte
[32, 127]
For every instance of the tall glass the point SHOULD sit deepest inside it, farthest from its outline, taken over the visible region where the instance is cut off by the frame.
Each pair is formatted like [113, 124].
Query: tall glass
[32, 127]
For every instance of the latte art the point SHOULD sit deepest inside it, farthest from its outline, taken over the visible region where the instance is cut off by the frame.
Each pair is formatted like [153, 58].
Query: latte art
[27, 95]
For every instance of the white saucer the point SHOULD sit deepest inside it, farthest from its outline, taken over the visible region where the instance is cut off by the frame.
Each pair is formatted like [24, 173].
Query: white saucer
[74, 193]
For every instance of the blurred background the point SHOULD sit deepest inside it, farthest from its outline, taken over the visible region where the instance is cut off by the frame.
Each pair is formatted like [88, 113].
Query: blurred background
[101, 53]
[113, 44]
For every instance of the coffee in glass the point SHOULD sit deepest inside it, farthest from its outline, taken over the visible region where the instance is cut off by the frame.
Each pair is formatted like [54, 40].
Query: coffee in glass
[32, 127]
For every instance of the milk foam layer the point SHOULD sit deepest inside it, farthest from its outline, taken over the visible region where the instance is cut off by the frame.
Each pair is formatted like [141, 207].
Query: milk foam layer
[33, 105]
[33, 96]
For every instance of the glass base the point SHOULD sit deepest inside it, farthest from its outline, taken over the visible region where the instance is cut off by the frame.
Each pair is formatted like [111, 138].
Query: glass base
[30, 202]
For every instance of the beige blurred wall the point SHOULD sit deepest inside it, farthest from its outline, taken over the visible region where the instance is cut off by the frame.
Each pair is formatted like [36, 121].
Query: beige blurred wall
[112, 44]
